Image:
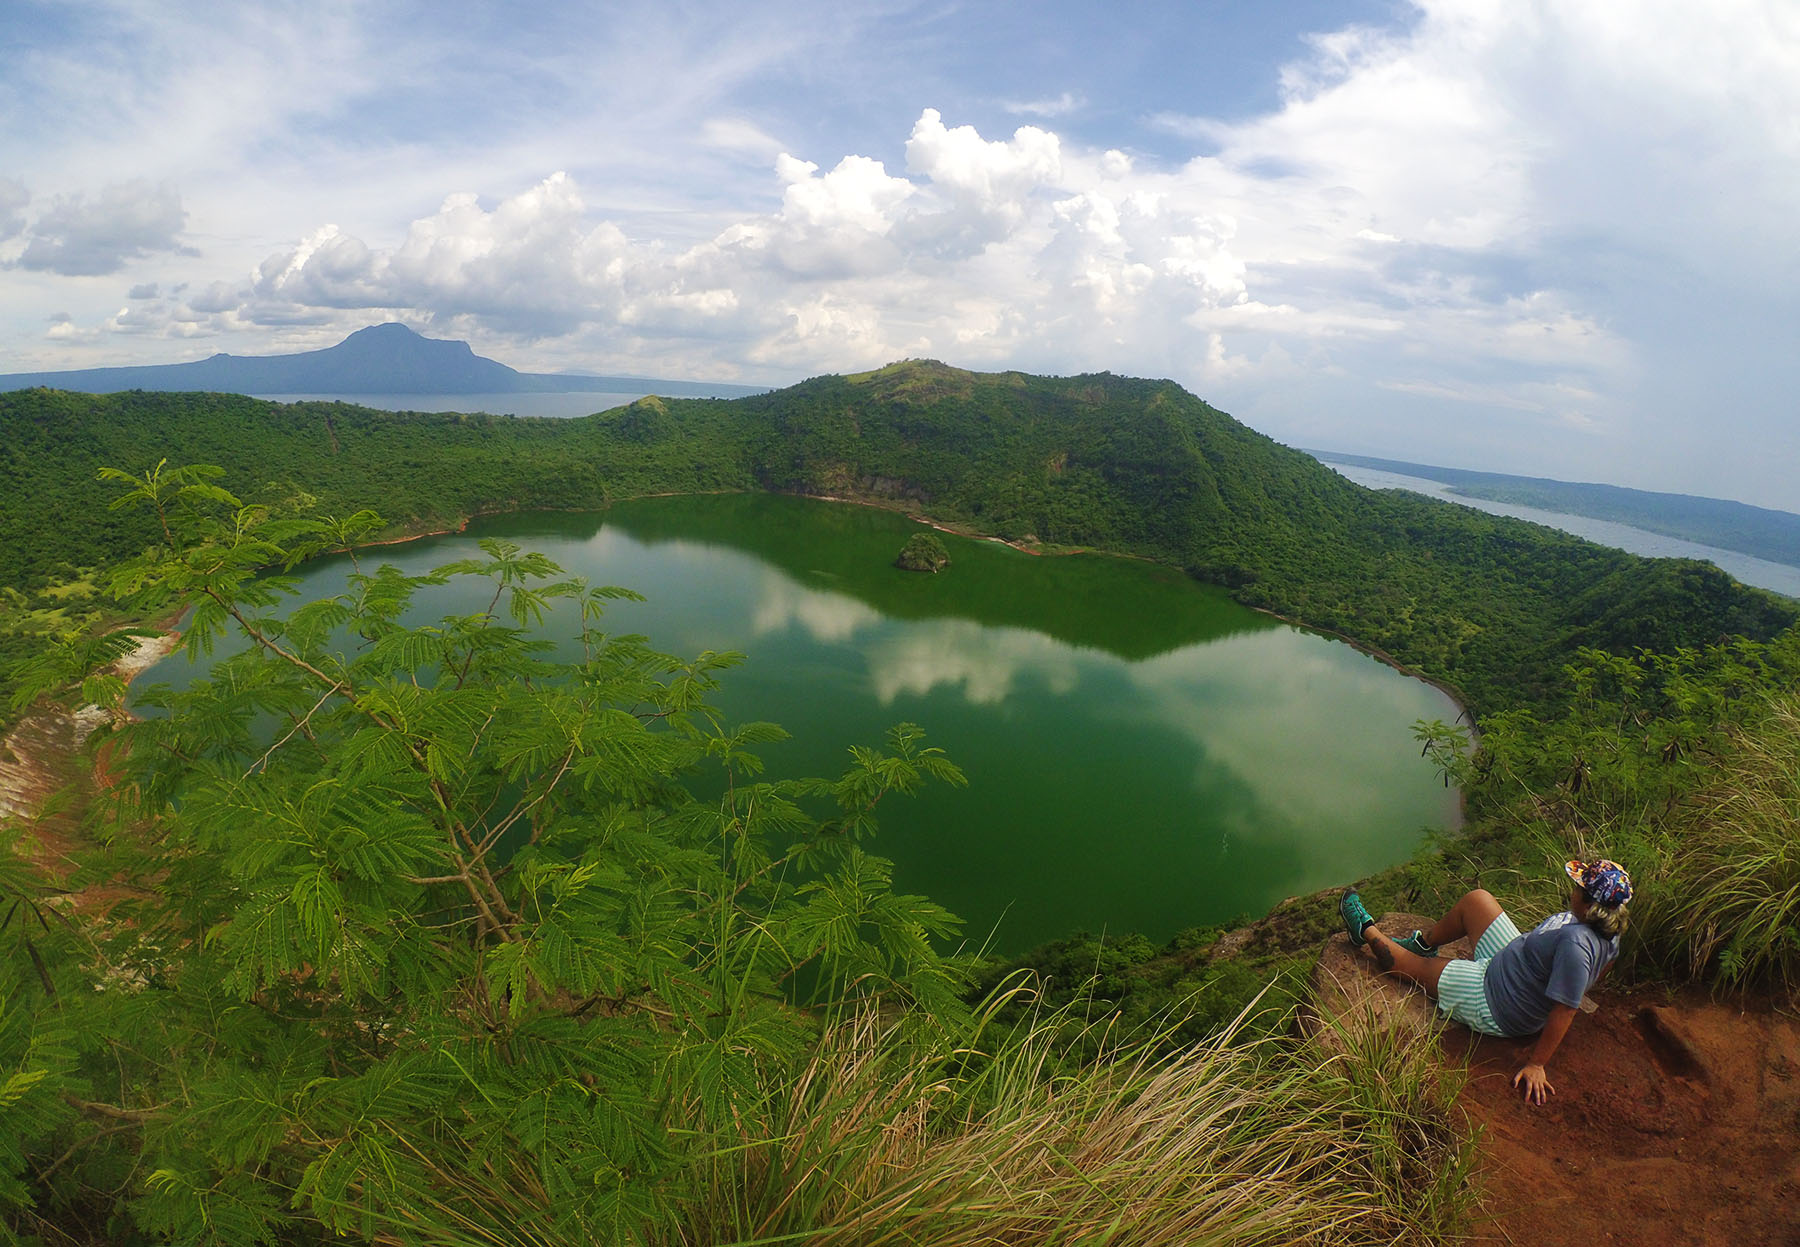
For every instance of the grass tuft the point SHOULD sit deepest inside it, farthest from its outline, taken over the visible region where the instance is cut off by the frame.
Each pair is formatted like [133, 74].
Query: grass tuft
[1738, 861]
[889, 1140]
[1717, 870]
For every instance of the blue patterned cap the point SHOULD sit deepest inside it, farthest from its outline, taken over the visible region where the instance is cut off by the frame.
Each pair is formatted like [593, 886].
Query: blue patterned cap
[1605, 882]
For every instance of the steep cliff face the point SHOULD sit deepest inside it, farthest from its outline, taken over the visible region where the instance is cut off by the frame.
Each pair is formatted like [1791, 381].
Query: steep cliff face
[42, 779]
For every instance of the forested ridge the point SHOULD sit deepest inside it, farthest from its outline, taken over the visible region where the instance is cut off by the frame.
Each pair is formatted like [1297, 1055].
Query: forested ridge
[1491, 606]
[427, 938]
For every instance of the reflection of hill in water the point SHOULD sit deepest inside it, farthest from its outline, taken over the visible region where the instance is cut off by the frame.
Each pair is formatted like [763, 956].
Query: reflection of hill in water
[1133, 610]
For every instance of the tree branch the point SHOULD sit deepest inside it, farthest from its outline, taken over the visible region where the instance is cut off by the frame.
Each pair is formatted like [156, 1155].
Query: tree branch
[114, 1111]
[299, 726]
[83, 1141]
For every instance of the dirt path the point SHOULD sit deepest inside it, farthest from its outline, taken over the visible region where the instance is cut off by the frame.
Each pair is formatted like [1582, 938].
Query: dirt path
[1674, 1122]
[41, 758]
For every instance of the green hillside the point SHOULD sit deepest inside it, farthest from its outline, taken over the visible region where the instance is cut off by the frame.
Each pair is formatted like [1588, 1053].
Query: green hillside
[1492, 606]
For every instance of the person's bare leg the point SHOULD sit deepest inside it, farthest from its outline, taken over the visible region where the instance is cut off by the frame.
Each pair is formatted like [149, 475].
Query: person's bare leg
[1470, 916]
[1404, 963]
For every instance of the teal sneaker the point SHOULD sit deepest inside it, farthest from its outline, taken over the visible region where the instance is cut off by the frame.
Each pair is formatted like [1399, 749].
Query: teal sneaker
[1415, 943]
[1356, 917]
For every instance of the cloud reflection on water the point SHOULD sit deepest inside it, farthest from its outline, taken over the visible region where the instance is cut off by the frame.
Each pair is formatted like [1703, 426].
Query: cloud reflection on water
[1263, 712]
[1253, 705]
[830, 618]
[987, 663]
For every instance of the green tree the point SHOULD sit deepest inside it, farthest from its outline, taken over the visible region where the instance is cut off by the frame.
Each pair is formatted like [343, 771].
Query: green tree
[923, 552]
[419, 933]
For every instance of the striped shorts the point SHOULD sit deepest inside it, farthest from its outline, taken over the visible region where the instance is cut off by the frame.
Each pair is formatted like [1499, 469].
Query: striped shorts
[1462, 988]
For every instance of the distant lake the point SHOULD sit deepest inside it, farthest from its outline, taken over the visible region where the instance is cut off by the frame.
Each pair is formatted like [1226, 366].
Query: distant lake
[562, 405]
[1144, 754]
[1752, 571]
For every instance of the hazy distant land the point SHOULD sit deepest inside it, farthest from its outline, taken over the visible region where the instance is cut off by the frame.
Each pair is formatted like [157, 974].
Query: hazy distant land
[1756, 531]
[381, 359]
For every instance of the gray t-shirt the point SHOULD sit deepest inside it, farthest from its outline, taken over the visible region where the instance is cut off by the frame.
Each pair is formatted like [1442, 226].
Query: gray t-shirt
[1554, 963]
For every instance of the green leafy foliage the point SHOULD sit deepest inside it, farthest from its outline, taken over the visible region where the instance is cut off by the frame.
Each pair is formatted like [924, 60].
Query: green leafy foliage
[412, 933]
[410, 909]
[1679, 765]
[923, 552]
[405, 932]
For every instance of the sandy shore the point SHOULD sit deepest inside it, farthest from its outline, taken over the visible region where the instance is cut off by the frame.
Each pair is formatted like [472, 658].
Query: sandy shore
[147, 653]
[35, 753]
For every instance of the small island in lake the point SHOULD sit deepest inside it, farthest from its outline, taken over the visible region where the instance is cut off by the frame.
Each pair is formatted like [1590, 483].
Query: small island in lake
[923, 552]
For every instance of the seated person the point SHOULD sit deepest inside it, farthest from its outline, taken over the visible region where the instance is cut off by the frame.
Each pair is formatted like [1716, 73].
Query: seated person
[1517, 985]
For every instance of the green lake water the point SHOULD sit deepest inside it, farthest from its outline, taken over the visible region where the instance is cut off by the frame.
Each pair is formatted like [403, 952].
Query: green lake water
[1143, 753]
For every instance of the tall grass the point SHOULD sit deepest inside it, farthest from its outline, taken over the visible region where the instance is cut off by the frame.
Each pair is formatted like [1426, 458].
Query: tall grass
[1735, 866]
[1717, 873]
[892, 1132]
[884, 1139]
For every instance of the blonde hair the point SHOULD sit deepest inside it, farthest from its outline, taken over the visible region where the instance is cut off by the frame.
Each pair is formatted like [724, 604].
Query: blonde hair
[1608, 920]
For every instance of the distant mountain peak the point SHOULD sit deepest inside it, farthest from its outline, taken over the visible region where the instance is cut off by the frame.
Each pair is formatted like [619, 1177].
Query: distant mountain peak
[387, 329]
[389, 358]
[394, 335]
[404, 347]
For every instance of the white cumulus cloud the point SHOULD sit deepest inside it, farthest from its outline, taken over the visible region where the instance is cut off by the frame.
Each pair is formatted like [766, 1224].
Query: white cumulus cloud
[1550, 228]
[79, 237]
[13, 198]
[532, 265]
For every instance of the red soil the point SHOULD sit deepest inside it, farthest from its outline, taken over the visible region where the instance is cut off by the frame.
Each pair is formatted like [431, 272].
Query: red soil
[1674, 1122]
[38, 759]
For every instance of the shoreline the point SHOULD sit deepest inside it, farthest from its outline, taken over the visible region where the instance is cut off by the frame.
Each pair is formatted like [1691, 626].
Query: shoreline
[919, 517]
[31, 771]
[150, 650]
[37, 749]
[1463, 714]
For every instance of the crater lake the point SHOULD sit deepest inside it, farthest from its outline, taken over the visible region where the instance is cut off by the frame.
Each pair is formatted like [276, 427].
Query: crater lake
[1143, 753]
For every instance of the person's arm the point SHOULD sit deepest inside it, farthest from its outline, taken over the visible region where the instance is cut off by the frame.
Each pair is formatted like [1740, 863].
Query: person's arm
[1532, 1079]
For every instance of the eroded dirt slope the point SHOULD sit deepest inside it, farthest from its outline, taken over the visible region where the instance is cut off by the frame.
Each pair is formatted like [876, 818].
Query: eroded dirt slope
[1675, 1121]
[1676, 1118]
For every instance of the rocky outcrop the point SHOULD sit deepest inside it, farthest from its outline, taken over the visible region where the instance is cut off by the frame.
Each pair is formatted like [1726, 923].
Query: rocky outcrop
[1348, 992]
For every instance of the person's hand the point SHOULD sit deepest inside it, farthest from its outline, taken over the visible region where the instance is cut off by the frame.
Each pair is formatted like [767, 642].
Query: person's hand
[1534, 1083]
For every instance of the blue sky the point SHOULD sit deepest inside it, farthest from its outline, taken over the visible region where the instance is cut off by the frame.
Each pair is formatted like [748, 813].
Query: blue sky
[1527, 235]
